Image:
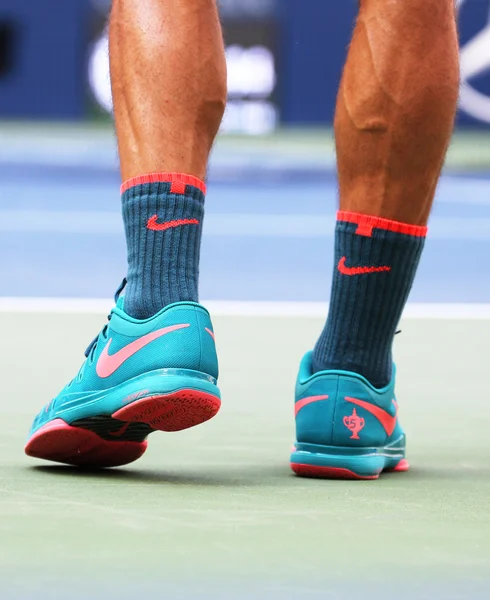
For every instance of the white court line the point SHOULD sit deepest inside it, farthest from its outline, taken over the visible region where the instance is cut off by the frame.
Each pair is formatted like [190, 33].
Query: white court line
[241, 309]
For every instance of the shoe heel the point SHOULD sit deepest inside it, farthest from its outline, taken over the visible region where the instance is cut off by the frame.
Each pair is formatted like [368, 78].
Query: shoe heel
[330, 466]
[331, 462]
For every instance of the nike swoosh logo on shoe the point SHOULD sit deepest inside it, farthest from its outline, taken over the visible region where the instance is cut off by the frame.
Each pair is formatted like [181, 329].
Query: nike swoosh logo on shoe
[211, 333]
[154, 226]
[359, 270]
[109, 364]
[121, 431]
[387, 421]
[305, 401]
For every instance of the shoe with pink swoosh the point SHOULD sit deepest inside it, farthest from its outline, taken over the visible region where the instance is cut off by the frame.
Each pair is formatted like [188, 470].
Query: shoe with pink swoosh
[345, 428]
[159, 374]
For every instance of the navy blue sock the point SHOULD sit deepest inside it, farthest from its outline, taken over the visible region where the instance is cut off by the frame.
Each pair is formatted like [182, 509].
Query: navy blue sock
[163, 215]
[375, 265]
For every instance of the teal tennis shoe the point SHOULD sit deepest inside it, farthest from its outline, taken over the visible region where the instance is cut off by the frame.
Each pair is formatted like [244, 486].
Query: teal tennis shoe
[157, 374]
[345, 428]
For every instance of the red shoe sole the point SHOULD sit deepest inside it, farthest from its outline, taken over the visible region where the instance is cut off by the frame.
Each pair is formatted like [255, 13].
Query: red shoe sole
[340, 473]
[57, 441]
[327, 472]
[171, 412]
[401, 467]
[60, 442]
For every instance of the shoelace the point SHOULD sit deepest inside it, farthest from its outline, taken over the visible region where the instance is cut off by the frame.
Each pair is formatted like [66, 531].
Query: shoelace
[93, 344]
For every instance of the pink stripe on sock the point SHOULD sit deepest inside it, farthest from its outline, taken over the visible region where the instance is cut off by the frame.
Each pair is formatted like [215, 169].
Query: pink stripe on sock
[366, 224]
[177, 187]
[173, 178]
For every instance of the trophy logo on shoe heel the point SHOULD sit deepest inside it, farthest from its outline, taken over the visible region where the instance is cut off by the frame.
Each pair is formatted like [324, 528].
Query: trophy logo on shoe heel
[387, 420]
[354, 424]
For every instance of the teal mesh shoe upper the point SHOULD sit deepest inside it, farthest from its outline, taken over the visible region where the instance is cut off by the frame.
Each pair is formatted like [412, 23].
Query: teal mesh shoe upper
[179, 337]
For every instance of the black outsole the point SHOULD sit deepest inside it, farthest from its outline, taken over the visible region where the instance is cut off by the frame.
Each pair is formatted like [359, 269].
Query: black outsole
[110, 429]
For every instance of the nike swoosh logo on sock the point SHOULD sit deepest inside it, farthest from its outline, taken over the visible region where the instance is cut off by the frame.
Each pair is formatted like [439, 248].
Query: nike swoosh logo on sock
[154, 226]
[359, 270]
[109, 364]
[387, 421]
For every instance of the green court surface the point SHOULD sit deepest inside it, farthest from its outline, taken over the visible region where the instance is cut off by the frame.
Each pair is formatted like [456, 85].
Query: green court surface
[214, 512]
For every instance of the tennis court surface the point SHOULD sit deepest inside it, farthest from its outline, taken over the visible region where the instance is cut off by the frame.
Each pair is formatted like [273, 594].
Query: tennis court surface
[215, 512]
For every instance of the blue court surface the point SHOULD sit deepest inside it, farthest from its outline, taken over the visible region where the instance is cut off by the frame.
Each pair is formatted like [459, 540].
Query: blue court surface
[268, 229]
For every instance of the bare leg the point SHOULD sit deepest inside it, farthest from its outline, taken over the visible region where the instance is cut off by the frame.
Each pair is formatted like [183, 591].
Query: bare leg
[396, 107]
[169, 84]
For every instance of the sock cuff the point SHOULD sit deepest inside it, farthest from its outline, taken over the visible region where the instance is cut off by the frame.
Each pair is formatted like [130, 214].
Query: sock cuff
[366, 224]
[178, 181]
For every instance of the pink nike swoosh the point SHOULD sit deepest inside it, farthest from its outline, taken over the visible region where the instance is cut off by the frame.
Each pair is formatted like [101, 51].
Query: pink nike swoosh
[359, 270]
[121, 431]
[305, 401]
[387, 421]
[154, 226]
[109, 364]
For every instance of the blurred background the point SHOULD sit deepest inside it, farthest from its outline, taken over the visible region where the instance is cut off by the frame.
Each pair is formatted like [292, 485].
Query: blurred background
[275, 156]
[284, 61]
